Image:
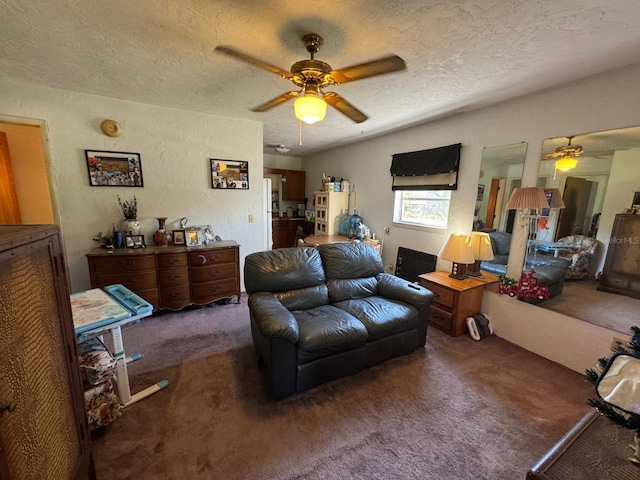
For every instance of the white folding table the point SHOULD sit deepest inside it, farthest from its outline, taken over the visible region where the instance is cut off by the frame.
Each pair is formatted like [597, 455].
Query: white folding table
[100, 311]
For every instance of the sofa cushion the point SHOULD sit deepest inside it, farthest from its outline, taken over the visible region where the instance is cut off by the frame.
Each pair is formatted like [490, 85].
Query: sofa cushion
[381, 316]
[327, 330]
[350, 260]
[304, 298]
[500, 242]
[283, 269]
[345, 289]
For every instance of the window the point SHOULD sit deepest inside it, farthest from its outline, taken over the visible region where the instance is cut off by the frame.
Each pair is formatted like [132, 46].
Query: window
[422, 208]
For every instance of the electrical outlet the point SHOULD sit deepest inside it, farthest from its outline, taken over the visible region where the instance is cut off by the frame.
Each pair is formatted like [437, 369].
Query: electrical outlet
[250, 218]
[616, 342]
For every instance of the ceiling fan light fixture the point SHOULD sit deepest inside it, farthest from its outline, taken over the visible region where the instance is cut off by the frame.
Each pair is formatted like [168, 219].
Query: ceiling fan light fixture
[566, 163]
[310, 108]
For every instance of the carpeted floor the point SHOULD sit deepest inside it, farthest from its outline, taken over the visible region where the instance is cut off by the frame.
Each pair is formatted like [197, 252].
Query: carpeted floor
[581, 299]
[456, 409]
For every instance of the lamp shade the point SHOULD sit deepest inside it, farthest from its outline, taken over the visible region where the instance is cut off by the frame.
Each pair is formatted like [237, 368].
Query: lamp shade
[481, 244]
[310, 108]
[527, 198]
[457, 249]
[566, 163]
[556, 198]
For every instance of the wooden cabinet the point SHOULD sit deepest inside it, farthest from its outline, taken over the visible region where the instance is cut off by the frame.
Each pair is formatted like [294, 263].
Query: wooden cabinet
[621, 272]
[293, 183]
[284, 231]
[328, 207]
[454, 300]
[43, 428]
[171, 277]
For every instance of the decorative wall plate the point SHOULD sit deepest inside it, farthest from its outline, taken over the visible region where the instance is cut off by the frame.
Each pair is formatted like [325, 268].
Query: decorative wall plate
[111, 128]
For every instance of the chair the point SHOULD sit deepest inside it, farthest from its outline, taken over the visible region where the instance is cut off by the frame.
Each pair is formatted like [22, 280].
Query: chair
[580, 255]
[300, 236]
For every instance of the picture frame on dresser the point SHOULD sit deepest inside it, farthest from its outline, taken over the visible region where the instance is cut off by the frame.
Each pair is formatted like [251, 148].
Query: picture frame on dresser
[192, 237]
[178, 237]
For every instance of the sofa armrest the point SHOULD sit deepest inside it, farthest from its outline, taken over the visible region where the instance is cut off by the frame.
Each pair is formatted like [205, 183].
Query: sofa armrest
[272, 318]
[396, 288]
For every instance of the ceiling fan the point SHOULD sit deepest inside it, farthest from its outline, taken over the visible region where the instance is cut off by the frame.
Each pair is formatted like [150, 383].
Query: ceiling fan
[312, 76]
[565, 151]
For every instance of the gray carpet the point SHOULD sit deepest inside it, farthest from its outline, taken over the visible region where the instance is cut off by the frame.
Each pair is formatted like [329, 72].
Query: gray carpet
[456, 409]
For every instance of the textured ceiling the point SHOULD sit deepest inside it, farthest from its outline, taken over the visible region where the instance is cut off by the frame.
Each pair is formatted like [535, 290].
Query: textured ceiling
[460, 55]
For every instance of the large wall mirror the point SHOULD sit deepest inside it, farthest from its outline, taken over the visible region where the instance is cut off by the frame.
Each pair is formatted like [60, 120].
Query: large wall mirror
[601, 184]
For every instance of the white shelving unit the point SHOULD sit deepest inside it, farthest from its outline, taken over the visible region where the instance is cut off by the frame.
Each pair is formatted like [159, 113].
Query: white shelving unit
[328, 207]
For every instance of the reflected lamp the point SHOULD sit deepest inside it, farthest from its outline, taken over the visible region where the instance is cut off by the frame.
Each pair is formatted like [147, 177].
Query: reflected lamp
[528, 201]
[457, 249]
[310, 108]
[482, 250]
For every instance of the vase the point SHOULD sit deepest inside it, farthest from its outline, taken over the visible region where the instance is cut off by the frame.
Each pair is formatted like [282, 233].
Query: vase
[161, 237]
[132, 226]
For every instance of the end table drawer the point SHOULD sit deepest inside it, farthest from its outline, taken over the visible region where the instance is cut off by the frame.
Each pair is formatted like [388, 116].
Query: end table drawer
[440, 318]
[443, 296]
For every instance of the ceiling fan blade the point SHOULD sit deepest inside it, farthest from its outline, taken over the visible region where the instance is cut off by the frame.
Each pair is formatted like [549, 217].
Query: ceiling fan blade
[276, 101]
[392, 63]
[253, 61]
[344, 107]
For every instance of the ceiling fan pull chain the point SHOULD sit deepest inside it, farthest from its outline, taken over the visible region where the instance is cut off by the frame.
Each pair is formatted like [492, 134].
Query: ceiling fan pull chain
[300, 141]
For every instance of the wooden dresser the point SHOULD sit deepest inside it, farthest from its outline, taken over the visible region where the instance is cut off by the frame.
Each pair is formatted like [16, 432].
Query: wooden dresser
[621, 272]
[171, 277]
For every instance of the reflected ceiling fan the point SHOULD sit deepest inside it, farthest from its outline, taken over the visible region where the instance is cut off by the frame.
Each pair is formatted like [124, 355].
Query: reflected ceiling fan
[312, 76]
[565, 151]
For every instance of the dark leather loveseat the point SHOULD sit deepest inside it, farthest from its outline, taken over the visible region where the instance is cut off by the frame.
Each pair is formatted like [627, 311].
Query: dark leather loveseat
[550, 270]
[322, 313]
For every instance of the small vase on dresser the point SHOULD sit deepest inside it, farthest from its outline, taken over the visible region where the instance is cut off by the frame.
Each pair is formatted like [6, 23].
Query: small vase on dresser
[161, 236]
[131, 225]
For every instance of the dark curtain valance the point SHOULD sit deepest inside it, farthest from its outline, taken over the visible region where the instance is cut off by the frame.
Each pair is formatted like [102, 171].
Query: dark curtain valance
[433, 169]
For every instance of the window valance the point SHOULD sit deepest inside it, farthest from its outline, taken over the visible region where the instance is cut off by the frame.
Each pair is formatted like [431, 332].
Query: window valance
[432, 169]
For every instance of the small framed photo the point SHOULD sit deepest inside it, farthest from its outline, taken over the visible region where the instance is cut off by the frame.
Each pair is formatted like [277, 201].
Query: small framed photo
[192, 237]
[128, 241]
[114, 169]
[229, 174]
[135, 241]
[178, 237]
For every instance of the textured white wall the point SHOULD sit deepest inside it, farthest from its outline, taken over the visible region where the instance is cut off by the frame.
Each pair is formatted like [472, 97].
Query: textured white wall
[174, 145]
[602, 102]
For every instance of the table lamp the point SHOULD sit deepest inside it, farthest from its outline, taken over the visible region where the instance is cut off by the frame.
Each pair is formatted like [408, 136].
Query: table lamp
[457, 249]
[482, 250]
[527, 200]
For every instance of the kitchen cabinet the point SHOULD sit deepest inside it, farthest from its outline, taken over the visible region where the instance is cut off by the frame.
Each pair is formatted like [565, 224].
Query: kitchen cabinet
[284, 231]
[43, 428]
[292, 184]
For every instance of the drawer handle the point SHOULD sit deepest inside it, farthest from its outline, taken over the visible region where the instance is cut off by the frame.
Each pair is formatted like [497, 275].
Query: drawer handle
[175, 294]
[130, 281]
[215, 273]
[214, 288]
[436, 295]
[127, 264]
[215, 257]
[175, 277]
[173, 260]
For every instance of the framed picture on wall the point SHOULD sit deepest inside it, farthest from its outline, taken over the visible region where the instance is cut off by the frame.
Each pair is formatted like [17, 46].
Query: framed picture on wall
[229, 174]
[480, 193]
[113, 169]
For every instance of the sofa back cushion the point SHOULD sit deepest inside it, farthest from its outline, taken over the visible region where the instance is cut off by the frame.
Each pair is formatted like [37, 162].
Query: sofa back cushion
[283, 269]
[304, 298]
[500, 242]
[351, 288]
[350, 260]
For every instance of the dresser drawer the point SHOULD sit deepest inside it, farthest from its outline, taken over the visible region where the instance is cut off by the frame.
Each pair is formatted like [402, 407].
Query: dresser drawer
[443, 296]
[440, 318]
[209, 257]
[124, 263]
[133, 281]
[171, 260]
[175, 297]
[212, 273]
[174, 277]
[212, 291]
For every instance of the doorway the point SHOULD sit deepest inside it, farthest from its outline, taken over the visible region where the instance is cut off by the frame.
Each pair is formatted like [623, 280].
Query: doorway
[28, 160]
